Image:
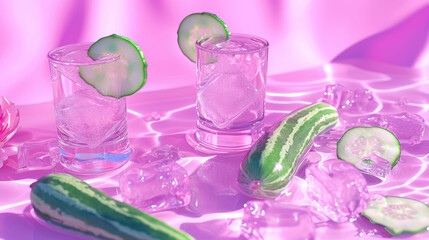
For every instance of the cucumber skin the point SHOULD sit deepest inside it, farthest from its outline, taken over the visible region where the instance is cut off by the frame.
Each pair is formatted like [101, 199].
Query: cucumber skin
[392, 231]
[392, 163]
[78, 200]
[257, 166]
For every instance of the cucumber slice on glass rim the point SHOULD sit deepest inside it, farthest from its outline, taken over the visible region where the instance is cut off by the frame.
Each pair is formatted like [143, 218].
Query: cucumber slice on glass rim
[360, 142]
[398, 215]
[198, 25]
[119, 78]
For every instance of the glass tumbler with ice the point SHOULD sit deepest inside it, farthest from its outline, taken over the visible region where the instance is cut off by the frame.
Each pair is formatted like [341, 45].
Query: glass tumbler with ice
[231, 77]
[92, 129]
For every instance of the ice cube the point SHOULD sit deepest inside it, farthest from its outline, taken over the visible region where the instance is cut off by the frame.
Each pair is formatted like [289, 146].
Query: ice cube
[156, 186]
[38, 155]
[345, 99]
[337, 189]
[3, 157]
[327, 142]
[408, 128]
[219, 175]
[225, 97]
[375, 166]
[165, 152]
[160, 153]
[313, 157]
[153, 117]
[274, 220]
[371, 120]
[252, 65]
[89, 118]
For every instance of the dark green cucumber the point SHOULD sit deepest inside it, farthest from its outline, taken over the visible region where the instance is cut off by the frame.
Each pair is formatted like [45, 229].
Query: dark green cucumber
[72, 204]
[398, 215]
[272, 161]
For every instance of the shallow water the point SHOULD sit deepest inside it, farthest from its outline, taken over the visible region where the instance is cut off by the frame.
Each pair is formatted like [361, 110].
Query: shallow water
[216, 213]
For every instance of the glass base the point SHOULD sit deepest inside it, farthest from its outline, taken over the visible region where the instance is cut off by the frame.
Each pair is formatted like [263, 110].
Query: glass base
[90, 163]
[209, 140]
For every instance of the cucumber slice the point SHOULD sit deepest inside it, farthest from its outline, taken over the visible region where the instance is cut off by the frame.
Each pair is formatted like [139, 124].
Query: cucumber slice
[119, 78]
[360, 142]
[198, 25]
[398, 214]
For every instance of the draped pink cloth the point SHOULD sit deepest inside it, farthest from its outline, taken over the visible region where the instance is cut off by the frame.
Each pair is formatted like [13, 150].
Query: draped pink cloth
[302, 34]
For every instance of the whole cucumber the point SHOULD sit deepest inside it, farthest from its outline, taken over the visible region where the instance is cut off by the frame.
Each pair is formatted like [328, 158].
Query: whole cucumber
[72, 204]
[272, 161]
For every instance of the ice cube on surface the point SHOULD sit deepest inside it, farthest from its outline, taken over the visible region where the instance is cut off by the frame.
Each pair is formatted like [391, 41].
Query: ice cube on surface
[408, 128]
[327, 142]
[3, 157]
[38, 155]
[156, 186]
[337, 189]
[345, 99]
[153, 117]
[375, 166]
[371, 120]
[273, 220]
[165, 153]
[225, 97]
[89, 118]
[159, 154]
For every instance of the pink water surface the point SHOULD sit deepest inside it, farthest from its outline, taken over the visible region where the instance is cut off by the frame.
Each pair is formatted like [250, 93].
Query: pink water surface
[219, 201]
[379, 45]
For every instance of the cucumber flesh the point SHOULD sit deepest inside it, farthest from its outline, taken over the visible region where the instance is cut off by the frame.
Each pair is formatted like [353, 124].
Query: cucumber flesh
[360, 142]
[398, 214]
[119, 78]
[198, 25]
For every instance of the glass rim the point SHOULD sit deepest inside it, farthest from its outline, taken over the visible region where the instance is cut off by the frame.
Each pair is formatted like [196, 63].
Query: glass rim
[53, 59]
[264, 44]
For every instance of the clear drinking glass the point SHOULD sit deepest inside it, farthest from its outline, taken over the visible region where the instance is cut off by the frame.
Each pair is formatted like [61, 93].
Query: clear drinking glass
[231, 77]
[92, 129]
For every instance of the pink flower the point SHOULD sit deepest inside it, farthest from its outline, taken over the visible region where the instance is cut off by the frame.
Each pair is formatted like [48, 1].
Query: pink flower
[9, 119]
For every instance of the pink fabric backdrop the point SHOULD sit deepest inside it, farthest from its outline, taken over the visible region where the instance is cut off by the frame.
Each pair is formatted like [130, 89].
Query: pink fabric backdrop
[302, 34]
